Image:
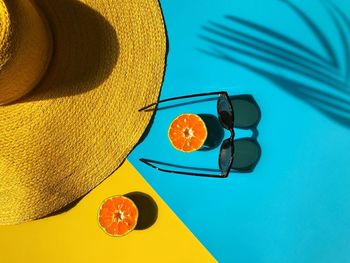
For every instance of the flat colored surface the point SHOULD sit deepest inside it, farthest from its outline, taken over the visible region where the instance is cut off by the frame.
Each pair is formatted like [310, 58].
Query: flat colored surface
[295, 206]
[294, 59]
[75, 236]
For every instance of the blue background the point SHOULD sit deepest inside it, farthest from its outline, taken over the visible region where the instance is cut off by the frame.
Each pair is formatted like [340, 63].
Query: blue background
[295, 206]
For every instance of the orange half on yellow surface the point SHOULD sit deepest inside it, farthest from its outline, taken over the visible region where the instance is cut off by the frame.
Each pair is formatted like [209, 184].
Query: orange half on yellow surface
[118, 215]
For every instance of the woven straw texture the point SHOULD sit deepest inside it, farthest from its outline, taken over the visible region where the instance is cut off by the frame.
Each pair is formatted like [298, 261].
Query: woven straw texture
[79, 124]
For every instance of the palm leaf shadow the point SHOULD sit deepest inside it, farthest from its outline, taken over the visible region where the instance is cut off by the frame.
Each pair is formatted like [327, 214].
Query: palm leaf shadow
[329, 92]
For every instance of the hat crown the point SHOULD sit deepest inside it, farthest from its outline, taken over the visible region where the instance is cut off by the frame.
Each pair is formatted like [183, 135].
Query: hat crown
[25, 48]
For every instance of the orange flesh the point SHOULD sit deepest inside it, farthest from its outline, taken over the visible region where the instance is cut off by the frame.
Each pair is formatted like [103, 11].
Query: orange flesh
[187, 132]
[118, 215]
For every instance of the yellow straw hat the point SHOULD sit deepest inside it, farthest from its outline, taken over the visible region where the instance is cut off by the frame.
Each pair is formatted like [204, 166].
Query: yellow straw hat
[85, 67]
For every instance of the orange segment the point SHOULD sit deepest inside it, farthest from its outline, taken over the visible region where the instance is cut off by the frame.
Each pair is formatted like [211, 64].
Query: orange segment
[118, 215]
[187, 132]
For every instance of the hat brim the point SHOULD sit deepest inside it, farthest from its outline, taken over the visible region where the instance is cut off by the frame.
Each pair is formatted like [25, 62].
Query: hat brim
[81, 122]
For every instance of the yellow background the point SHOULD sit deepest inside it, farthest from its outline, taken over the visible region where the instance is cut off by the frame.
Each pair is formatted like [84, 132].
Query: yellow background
[74, 236]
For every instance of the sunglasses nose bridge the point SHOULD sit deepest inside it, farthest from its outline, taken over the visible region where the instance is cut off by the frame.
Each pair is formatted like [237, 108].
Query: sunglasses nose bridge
[232, 131]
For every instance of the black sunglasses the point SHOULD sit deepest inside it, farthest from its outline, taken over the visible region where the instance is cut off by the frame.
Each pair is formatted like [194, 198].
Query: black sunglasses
[241, 155]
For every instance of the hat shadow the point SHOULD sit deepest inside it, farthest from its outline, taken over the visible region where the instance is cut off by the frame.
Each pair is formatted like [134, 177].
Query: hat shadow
[85, 50]
[64, 209]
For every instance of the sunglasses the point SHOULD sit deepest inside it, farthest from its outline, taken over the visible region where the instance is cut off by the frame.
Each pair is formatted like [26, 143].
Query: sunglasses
[240, 155]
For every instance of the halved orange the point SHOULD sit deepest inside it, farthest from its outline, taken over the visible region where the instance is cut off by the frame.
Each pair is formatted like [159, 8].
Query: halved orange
[118, 215]
[187, 132]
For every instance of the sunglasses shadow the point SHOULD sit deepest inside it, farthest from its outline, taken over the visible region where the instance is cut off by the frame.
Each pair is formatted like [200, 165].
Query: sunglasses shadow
[247, 113]
[247, 155]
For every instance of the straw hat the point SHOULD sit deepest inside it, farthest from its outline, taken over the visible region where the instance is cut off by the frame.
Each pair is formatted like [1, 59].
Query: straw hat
[85, 67]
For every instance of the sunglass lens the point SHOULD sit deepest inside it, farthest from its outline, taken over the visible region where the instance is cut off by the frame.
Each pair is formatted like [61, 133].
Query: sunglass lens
[247, 154]
[226, 155]
[225, 112]
[247, 112]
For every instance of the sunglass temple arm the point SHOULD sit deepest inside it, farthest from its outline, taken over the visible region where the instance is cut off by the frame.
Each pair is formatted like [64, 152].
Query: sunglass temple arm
[182, 97]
